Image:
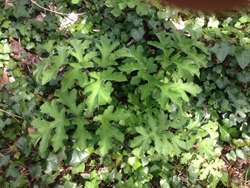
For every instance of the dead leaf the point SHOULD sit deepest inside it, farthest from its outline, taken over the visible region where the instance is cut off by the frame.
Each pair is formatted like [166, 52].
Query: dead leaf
[4, 79]
[31, 129]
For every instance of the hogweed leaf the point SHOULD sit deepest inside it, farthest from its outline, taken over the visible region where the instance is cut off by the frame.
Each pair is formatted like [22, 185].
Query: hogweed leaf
[72, 75]
[69, 98]
[98, 92]
[81, 134]
[59, 123]
[106, 49]
[212, 168]
[59, 60]
[80, 51]
[116, 76]
[43, 133]
[206, 146]
[106, 131]
[153, 81]
[176, 91]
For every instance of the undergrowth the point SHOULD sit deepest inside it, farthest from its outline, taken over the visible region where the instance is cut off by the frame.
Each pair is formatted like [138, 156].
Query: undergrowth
[124, 96]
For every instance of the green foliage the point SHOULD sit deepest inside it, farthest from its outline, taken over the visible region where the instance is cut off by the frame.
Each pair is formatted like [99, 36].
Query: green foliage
[123, 97]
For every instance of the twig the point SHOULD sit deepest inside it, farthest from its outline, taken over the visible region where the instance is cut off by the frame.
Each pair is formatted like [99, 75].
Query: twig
[52, 10]
[131, 42]
[89, 7]
[246, 176]
[206, 112]
[10, 113]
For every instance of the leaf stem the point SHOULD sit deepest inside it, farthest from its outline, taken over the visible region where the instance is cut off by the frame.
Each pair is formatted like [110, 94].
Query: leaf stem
[170, 76]
[80, 116]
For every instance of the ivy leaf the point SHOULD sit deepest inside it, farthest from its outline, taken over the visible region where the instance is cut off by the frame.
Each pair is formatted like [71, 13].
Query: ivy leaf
[4, 160]
[244, 76]
[58, 60]
[134, 162]
[222, 82]
[137, 34]
[69, 98]
[224, 134]
[106, 131]
[75, 1]
[81, 134]
[243, 57]
[231, 156]
[72, 75]
[20, 181]
[54, 161]
[225, 106]
[222, 50]
[229, 122]
[80, 51]
[12, 171]
[20, 12]
[78, 157]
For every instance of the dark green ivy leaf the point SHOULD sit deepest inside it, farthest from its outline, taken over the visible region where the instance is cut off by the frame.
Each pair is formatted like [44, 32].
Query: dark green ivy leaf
[137, 34]
[222, 82]
[244, 76]
[243, 57]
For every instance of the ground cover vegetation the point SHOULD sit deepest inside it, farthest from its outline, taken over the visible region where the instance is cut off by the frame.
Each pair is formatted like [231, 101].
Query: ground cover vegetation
[123, 94]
